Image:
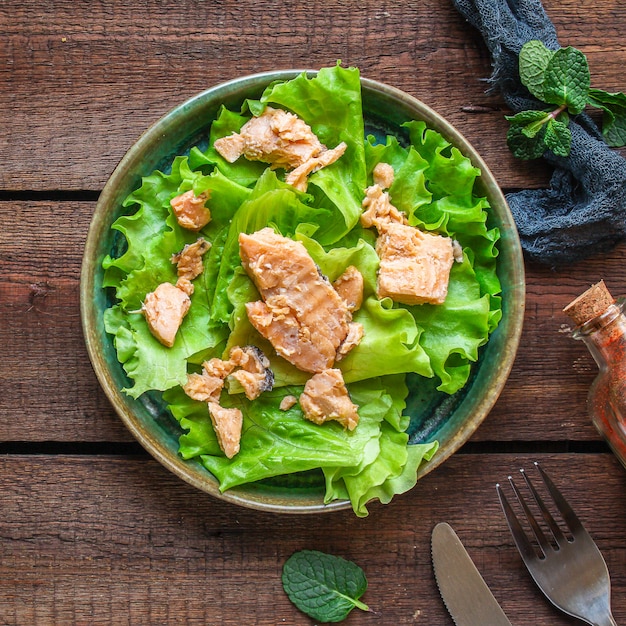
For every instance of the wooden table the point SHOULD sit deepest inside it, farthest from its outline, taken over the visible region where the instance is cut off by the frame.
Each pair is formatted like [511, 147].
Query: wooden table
[94, 531]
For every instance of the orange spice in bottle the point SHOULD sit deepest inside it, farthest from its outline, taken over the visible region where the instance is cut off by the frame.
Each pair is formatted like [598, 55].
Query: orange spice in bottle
[601, 325]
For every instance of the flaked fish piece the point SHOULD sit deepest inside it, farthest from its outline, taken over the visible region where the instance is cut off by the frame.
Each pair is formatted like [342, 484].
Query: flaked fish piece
[298, 178]
[355, 334]
[250, 367]
[189, 263]
[164, 310]
[349, 286]
[301, 314]
[378, 209]
[287, 402]
[207, 386]
[282, 140]
[383, 175]
[325, 397]
[166, 306]
[231, 147]
[414, 265]
[227, 424]
[276, 137]
[190, 210]
[254, 375]
[218, 367]
[204, 387]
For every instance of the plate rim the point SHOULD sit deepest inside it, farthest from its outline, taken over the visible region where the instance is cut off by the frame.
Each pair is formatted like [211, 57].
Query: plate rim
[191, 471]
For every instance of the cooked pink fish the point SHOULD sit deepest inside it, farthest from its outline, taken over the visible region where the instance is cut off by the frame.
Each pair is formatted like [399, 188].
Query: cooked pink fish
[301, 314]
[164, 310]
[325, 397]
[190, 210]
[283, 140]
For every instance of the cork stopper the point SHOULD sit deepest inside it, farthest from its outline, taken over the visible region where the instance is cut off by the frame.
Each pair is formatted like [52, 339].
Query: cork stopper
[593, 302]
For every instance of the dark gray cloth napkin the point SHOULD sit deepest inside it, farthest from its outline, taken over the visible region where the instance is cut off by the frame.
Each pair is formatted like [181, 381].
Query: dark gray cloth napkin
[583, 213]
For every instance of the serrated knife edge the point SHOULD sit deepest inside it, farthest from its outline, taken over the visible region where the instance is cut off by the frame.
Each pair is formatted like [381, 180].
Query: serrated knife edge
[463, 590]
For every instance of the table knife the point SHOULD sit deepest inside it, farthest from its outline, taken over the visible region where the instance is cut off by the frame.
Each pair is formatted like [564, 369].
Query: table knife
[465, 594]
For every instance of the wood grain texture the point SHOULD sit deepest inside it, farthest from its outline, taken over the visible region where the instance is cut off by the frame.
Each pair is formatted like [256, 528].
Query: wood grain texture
[87, 78]
[130, 544]
[49, 390]
[45, 370]
[93, 531]
[545, 396]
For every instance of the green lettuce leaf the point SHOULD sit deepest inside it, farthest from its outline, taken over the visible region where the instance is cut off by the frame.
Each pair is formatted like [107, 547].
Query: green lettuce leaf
[331, 104]
[146, 263]
[273, 439]
[434, 184]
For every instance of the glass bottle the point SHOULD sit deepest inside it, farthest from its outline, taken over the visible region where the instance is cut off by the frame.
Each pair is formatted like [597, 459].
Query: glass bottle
[601, 325]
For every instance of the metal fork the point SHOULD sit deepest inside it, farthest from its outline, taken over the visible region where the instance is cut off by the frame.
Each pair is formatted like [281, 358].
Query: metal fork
[570, 570]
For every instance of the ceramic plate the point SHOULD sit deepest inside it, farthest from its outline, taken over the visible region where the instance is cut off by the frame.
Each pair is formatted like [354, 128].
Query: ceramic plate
[449, 419]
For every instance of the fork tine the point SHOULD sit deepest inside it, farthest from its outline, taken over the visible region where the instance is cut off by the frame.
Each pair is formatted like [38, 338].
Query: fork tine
[543, 542]
[569, 517]
[557, 533]
[519, 535]
[573, 576]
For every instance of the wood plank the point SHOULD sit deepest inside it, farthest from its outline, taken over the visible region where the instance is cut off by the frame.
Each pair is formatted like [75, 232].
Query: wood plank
[108, 81]
[120, 541]
[114, 538]
[47, 376]
[552, 374]
[49, 390]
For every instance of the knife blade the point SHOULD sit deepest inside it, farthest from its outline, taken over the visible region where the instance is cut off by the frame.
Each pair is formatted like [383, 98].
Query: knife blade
[465, 594]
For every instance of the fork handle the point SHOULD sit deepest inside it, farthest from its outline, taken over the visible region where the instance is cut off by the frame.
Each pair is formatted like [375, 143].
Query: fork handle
[607, 621]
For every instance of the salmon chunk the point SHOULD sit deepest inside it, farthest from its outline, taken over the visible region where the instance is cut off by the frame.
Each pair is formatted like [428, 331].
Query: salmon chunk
[164, 310]
[250, 367]
[207, 386]
[298, 178]
[378, 210]
[254, 373]
[190, 210]
[276, 137]
[189, 263]
[349, 286]
[204, 387]
[355, 334]
[414, 265]
[287, 402]
[218, 367]
[383, 175]
[301, 314]
[283, 140]
[227, 424]
[325, 397]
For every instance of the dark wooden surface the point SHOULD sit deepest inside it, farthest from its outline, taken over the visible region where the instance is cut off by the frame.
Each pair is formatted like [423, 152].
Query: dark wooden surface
[92, 530]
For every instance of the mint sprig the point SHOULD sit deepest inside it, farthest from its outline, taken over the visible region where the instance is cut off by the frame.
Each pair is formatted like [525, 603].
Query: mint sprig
[560, 78]
[324, 586]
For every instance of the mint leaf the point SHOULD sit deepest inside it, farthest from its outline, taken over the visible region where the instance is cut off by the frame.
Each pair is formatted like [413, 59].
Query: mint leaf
[531, 122]
[524, 147]
[613, 106]
[323, 586]
[560, 78]
[567, 80]
[526, 135]
[558, 138]
[534, 58]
